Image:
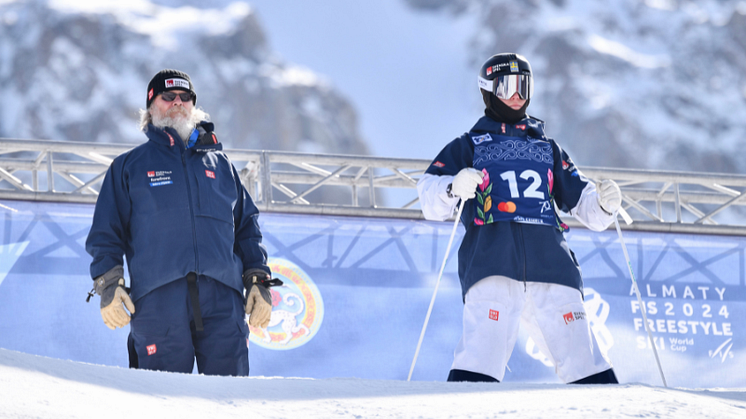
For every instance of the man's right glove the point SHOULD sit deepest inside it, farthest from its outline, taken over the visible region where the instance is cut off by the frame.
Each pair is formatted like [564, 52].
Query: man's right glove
[258, 297]
[465, 183]
[110, 286]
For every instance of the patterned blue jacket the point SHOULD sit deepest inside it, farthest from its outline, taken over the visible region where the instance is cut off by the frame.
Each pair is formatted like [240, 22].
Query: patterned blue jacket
[512, 228]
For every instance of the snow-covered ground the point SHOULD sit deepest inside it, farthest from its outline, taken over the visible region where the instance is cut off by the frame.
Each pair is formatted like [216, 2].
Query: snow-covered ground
[38, 387]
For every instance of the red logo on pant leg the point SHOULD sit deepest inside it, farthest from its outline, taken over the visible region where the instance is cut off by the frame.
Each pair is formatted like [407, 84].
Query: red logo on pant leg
[494, 315]
[151, 349]
[568, 318]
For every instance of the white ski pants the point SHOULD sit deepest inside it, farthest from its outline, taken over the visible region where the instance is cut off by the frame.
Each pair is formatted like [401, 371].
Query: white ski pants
[553, 315]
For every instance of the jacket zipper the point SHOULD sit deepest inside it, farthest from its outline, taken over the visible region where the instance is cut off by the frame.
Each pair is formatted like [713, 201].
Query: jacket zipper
[191, 211]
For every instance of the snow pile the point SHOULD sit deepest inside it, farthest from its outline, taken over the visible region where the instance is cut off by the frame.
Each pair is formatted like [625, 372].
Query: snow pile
[33, 386]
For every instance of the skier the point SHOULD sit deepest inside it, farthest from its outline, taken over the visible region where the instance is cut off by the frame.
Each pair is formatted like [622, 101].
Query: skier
[175, 206]
[514, 264]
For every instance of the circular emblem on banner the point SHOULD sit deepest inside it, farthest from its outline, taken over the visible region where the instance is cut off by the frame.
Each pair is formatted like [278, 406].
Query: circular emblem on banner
[297, 309]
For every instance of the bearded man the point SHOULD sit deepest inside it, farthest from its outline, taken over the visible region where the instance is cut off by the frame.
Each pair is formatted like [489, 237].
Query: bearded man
[176, 209]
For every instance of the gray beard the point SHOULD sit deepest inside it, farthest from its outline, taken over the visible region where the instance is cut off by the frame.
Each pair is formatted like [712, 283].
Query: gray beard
[181, 123]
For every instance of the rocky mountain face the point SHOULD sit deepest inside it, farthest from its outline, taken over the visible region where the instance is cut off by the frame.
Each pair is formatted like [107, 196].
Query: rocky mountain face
[657, 84]
[78, 71]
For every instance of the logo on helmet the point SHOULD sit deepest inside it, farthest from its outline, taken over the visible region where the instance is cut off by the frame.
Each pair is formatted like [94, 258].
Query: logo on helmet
[514, 66]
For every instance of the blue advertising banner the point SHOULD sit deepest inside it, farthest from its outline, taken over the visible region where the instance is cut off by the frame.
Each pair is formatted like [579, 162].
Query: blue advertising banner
[357, 291]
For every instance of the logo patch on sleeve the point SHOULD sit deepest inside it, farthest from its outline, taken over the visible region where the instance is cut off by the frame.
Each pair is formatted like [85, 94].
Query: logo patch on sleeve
[481, 138]
[494, 314]
[439, 164]
[151, 349]
[210, 174]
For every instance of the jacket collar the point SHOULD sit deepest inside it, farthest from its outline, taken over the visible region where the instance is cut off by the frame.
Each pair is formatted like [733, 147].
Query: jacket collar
[170, 138]
[528, 126]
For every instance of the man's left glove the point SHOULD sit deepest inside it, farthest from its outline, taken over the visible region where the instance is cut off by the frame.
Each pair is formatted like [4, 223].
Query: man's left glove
[609, 196]
[110, 286]
[259, 299]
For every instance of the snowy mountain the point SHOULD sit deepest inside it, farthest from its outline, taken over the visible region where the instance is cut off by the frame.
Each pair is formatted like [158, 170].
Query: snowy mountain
[78, 71]
[642, 84]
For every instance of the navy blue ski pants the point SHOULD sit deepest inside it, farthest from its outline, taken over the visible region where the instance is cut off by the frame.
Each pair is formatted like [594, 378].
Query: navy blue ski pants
[163, 336]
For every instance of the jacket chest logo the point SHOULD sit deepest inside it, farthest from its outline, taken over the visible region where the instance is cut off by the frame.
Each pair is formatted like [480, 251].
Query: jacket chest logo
[159, 177]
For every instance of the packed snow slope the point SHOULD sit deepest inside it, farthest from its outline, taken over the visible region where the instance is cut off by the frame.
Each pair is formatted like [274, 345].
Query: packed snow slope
[33, 386]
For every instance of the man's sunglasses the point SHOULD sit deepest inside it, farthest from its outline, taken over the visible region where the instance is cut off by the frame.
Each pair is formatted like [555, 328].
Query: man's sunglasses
[170, 96]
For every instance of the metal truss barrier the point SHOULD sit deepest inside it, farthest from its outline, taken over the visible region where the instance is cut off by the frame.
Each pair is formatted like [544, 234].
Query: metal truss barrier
[346, 185]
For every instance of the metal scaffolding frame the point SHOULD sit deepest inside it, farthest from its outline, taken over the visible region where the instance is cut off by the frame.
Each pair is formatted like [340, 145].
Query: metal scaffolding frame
[663, 201]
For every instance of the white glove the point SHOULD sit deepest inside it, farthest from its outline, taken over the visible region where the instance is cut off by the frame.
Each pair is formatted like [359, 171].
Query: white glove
[465, 183]
[609, 196]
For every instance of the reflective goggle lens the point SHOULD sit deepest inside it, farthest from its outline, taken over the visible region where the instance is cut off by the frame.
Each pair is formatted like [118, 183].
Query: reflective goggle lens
[507, 86]
[504, 87]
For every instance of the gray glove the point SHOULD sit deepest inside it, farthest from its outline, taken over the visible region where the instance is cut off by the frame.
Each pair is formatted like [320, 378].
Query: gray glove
[258, 296]
[110, 286]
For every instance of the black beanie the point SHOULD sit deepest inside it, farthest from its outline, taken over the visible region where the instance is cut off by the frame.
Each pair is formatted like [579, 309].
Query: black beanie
[166, 80]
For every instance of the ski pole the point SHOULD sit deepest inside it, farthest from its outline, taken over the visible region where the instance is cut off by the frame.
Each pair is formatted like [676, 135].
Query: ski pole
[639, 299]
[437, 284]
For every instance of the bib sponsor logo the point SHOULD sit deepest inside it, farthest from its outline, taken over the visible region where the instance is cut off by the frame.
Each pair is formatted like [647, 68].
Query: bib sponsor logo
[297, 309]
[177, 83]
[210, 174]
[481, 139]
[151, 349]
[568, 318]
[494, 314]
[151, 174]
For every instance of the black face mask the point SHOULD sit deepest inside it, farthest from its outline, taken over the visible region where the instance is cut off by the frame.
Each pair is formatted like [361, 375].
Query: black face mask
[499, 111]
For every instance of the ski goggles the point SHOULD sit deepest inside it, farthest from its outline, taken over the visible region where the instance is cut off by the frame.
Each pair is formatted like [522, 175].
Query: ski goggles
[504, 87]
[171, 96]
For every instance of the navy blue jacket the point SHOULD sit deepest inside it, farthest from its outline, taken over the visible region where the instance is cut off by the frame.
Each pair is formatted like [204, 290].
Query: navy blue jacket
[172, 210]
[521, 250]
